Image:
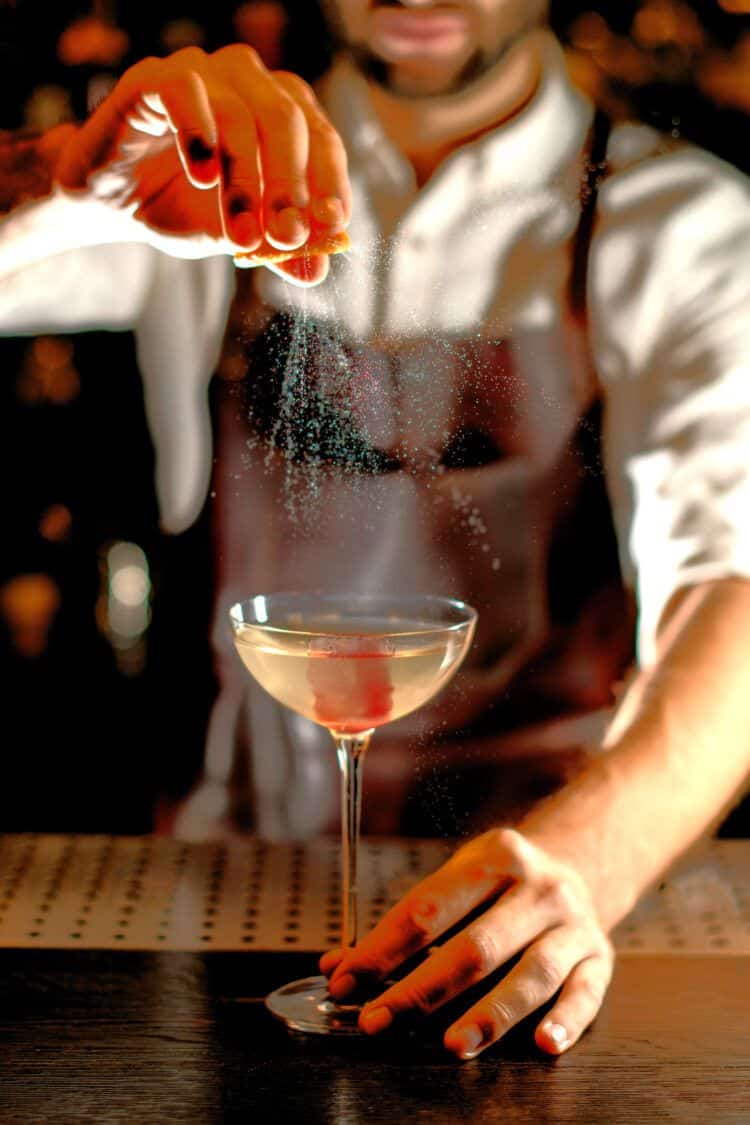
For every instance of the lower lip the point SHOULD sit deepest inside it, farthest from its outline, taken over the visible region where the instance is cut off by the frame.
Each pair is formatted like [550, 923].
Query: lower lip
[417, 29]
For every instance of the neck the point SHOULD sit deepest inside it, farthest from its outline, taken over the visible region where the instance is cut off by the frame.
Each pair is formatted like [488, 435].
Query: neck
[428, 129]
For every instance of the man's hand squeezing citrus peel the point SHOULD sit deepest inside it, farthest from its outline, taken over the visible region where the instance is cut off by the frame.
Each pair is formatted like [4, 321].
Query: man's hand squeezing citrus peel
[536, 906]
[215, 154]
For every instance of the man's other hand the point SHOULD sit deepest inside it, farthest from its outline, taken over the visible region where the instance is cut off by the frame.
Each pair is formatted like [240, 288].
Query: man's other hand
[536, 907]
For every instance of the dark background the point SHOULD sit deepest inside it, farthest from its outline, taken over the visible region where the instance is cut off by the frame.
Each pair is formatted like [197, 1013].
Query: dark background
[87, 745]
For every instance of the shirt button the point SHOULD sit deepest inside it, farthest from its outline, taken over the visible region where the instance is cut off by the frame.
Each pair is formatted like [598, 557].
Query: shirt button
[417, 242]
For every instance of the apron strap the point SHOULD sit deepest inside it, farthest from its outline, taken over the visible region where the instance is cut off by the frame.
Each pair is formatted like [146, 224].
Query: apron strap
[595, 171]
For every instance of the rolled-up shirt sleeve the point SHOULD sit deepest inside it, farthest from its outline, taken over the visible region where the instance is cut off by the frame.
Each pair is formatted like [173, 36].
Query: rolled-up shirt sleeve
[670, 322]
[70, 265]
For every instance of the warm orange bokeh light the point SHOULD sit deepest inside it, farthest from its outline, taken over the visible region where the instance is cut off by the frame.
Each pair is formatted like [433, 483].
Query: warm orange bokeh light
[660, 22]
[29, 603]
[49, 375]
[725, 77]
[667, 43]
[92, 41]
[182, 33]
[47, 107]
[52, 352]
[590, 32]
[55, 523]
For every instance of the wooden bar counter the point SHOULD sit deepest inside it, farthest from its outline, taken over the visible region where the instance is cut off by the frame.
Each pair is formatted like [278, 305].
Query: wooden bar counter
[96, 1036]
[139, 1036]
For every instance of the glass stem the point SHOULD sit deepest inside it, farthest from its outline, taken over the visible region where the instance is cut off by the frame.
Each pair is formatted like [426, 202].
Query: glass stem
[350, 749]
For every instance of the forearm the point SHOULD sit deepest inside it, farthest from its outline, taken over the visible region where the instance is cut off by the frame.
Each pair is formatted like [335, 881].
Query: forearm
[677, 755]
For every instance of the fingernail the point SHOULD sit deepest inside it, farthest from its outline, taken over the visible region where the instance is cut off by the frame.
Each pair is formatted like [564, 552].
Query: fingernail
[557, 1034]
[244, 229]
[207, 172]
[374, 1020]
[203, 160]
[289, 227]
[342, 986]
[329, 210]
[199, 151]
[465, 1041]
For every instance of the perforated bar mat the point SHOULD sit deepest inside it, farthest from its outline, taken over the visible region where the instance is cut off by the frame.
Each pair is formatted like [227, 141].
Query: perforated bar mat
[96, 892]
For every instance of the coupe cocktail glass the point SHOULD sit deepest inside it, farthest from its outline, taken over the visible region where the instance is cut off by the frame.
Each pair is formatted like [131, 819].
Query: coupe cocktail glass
[351, 663]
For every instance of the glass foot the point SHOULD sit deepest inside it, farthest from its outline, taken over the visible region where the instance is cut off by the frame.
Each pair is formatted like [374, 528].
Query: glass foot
[304, 1005]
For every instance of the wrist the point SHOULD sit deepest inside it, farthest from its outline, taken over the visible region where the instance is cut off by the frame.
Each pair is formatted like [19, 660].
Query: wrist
[582, 827]
[28, 160]
[52, 145]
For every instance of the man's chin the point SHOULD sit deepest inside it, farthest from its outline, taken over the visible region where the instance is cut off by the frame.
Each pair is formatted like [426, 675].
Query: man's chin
[417, 77]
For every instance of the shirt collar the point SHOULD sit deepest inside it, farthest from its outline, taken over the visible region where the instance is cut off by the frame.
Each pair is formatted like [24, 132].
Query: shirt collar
[531, 150]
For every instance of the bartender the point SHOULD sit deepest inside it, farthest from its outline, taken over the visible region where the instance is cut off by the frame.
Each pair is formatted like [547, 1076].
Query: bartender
[504, 309]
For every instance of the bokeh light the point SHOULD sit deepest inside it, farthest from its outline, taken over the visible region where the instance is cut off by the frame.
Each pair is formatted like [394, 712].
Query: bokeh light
[92, 41]
[29, 603]
[47, 107]
[182, 33]
[261, 23]
[49, 375]
[123, 610]
[55, 523]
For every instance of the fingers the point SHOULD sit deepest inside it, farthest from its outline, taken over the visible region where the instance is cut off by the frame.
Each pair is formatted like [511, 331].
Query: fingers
[327, 174]
[427, 912]
[547, 965]
[241, 191]
[330, 960]
[183, 97]
[466, 959]
[283, 143]
[578, 1004]
[480, 870]
[303, 161]
[153, 97]
[217, 141]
